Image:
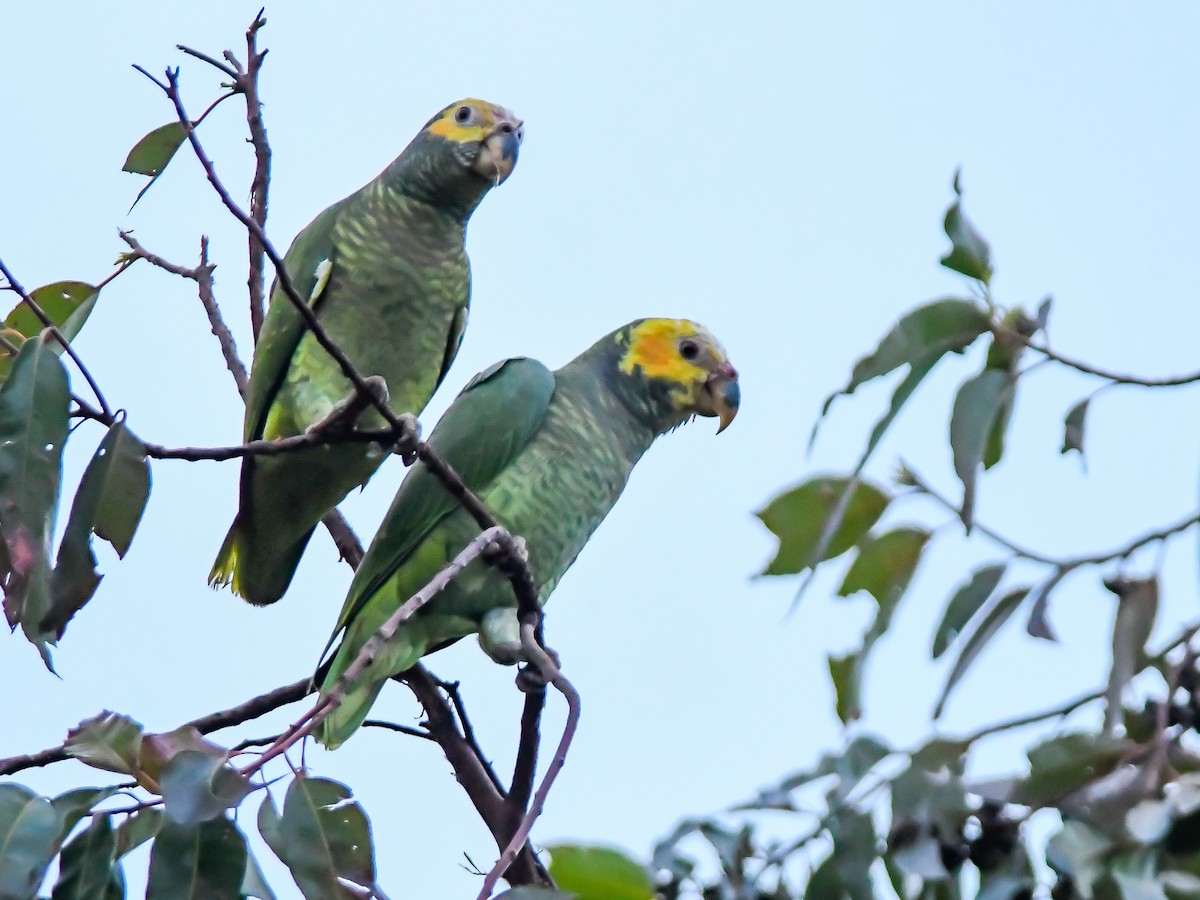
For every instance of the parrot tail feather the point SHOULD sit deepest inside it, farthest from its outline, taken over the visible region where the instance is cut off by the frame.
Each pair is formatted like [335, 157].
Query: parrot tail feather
[258, 574]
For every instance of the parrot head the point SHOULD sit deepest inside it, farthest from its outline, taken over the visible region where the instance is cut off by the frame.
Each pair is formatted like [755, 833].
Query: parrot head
[462, 152]
[677, 370]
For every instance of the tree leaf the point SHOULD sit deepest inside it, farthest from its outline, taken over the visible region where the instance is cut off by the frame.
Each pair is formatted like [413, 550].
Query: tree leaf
[28, 838]
[967, 601]
[67, 304]
[73, 805]
[1063, 764]
[86, 866]
[320, 837]
[978, 639]
[855, 849]
[977, 408]
[1137, 608]
[137, 829]
[797, 518]
[924, 334]
[110, 501]
[153, 152]
[846, 674]
[969, 252]
[534, 893]
[885, 565]
[107, 741]
[197, 862]
[197, 786]
[34, 404]
[159, 749]
[254, 883]
[599, 873]
[1073, 426]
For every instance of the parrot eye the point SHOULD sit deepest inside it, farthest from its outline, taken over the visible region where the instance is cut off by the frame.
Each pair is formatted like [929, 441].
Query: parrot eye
[462, 115]
[689, 350]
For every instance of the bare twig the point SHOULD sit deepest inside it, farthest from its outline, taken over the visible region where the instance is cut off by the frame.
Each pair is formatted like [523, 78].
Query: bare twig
[202, 275]
[247, 81]
[305, 725]
[348, 545]
[472, 772]
[451, 689]
[403, 729]
[525, 768]
[236, 715]
[1088, 369]
[539, 657]
[15, 287]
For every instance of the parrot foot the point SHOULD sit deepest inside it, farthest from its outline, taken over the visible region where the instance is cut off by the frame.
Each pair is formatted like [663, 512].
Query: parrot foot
[495, 555]
[530, 678]
[342, 416]
[408, 438]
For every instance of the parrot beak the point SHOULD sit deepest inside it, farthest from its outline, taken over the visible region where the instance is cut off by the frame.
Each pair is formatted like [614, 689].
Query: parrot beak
[498, 152]
[721, 396]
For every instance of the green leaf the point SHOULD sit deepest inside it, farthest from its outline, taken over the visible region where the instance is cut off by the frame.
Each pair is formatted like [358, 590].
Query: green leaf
[137, 829]
[86, 868]
[197, 862]
[151, 154]
[28, 840]
[67, 304]
[978, 639]
[75, 804]
[797, 518]
[978, 407]
[254, 883]
[925, 334]
[966, 601]
[1078, 850]
[1063, 764]
[534, 893]
[855, 849]
[110, 501]
[197, 786]
[969, 252]
[108, 741]
[1073, 426]
[320, 837]
[599, 873]
[885, 565]
[1137, 608]
[1138, 887]
[847, 675]
[34, 403]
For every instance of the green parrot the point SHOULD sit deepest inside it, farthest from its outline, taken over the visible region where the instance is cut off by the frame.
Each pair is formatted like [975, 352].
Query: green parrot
[386, 273]
[549, 453]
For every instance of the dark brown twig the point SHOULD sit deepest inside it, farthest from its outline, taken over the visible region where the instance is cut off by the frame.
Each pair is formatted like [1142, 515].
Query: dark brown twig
[525, 768]
[248, 83]
[202, 275]
[403, 729]
[531, 645]
[348, 545]
[1088, 369]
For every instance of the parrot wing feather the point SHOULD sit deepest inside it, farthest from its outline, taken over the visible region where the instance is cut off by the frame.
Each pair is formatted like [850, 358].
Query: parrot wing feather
[309, 262]
[486, 426]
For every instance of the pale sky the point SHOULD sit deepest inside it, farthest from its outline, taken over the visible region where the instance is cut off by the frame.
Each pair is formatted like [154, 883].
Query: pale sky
[777, 172]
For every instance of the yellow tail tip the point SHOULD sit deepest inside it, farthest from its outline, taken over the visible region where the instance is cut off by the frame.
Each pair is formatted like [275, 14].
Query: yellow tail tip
[225, 570]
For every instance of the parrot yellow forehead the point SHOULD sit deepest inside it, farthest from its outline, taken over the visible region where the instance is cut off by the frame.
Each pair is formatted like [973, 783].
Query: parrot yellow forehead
[470, 121]
[653, 347]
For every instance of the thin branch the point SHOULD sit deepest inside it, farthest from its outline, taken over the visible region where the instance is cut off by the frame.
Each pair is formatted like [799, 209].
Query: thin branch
[235, 715]
[403, 729]
[525, 767]
[1088, 369]
[348, 545]
[202, 275]
[546, 665]
[15, 287]
[271, 448]
[1066, 563]
[247, 81]
[204, 57]
[471, 771]
[468, 731]
[332, 699]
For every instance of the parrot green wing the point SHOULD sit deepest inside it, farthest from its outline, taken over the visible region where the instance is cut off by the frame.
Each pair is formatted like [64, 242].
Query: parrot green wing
[282, 332]
[486, 426]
